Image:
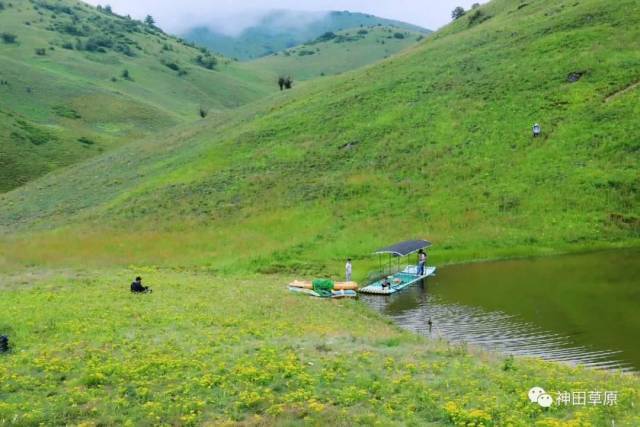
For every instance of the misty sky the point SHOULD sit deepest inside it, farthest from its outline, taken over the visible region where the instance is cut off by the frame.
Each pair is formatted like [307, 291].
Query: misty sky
[232, 16]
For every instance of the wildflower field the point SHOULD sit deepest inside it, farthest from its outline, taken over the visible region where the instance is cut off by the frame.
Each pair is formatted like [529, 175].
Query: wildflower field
[432, 143]
[205, 350]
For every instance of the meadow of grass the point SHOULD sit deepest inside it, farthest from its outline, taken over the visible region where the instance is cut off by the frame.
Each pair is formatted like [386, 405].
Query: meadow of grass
[80, 82]
[209, 350]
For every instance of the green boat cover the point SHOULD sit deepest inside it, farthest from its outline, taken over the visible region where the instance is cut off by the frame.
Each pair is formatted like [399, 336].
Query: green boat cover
[323, 287]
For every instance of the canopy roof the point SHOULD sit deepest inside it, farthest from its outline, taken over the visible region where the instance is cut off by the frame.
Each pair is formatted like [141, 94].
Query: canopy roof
[404, 248]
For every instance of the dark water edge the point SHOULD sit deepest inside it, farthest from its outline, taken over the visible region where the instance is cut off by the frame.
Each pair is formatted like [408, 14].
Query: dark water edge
[578, 309]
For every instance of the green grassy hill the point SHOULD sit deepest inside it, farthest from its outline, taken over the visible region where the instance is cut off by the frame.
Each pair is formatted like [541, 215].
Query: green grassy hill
[335, 53]
[283, 29]
[434, 142]
[78, 81]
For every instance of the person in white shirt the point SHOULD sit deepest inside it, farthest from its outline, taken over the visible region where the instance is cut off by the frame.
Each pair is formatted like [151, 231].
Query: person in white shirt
[348, 269]
[536, 130]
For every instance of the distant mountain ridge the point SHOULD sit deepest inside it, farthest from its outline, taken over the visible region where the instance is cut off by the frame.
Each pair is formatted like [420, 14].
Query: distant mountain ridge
[280, 29]
[335, 53]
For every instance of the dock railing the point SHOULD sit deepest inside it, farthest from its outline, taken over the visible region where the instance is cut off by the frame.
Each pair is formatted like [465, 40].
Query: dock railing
[374, 276]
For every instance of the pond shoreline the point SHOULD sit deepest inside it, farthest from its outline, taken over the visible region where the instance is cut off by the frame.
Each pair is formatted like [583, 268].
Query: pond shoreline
[477, 329]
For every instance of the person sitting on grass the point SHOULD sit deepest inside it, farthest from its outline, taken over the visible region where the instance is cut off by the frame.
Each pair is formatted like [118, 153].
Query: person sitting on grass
[138, 288]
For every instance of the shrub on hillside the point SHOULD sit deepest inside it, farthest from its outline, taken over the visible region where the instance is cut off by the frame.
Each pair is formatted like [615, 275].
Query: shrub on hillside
[40, 51]
[477, 17]
[398, 35]
[55, 8]
[172, 65]
[345, 38]
[98, 44]
[207, 61]
[71, 29]
[86, 141]
[329, 35]
[124, 49]
[457, 13]
[32, 133]
[66, 112]
[9, 38]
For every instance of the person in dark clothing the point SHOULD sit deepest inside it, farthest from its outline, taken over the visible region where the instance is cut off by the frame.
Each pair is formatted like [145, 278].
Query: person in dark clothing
[422, 261]
[386, 283]
[138, 288]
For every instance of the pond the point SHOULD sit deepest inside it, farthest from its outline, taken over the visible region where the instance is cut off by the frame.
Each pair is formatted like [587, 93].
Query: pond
[580, 309]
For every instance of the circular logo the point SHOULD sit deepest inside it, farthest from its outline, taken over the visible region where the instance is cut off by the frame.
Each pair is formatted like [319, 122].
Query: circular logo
[541, 397]
[545, 400]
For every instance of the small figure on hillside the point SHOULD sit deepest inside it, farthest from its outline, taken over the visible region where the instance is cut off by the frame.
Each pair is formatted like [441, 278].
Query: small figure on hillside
[422, 261]
[536, 130]
[138, 288]
[348, 268]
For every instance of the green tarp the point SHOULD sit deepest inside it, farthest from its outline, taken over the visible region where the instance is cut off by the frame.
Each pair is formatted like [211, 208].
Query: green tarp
[323, 287]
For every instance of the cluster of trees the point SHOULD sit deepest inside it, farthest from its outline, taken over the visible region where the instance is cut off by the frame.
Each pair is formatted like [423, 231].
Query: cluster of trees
[285, 83]
[207, 61]
[459, 11]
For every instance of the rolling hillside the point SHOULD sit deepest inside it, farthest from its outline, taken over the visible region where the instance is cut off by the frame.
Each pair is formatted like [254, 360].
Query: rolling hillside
[335, 53]
[434, 142]
[282, 29]
[77, 81]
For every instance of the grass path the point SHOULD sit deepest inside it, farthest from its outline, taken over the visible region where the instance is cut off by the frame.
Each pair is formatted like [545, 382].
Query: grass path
[622, 91]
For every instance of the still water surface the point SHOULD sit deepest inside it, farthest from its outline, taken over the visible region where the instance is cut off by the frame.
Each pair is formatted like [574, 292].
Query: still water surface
[573, 308]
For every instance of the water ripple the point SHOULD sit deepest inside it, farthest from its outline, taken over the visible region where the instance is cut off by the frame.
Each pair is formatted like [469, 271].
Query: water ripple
[494, 330]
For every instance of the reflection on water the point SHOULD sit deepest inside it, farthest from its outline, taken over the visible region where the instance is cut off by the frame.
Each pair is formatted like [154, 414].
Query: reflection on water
[575, 309]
